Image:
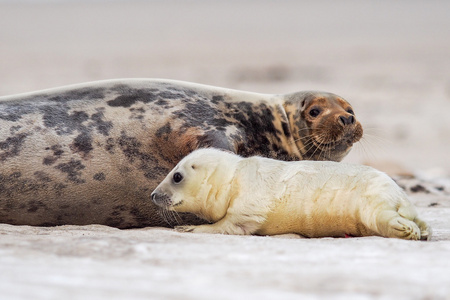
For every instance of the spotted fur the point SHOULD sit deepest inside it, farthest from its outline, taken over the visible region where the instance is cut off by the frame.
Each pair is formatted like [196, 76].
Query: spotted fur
[92, 153]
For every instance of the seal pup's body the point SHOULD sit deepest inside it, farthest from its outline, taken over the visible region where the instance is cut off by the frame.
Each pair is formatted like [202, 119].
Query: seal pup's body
[92, 153]
[269, 197]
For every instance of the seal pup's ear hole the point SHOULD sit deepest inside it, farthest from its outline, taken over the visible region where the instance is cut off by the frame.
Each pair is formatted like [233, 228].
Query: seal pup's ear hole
[193, 167]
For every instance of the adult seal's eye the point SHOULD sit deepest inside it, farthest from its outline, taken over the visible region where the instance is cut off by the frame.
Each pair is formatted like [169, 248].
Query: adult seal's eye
[177, 177]
[314, 112]
[350, 111]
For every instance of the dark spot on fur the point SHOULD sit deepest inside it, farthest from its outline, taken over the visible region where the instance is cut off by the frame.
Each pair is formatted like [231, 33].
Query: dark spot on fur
[130, 146]
[82, 143]
[196, 113]
[14, 129]
[124, 101]
[138, 110]
[164, 130]
[42, 176]
[60, 186]
[216, 99]
[137, 113]
[100, 124]
[34, 205]
[130, 97]
[14, 110]
[15, 175]
[161, 102]
[286, 130]
[123, 89]
[99, 176]
[57, 117]
[57, 150]
[14, 184]
[110, 145]
[49, 160]
[170, 95]
[202, 113]
[42, 103]
[73, 170]
[12, 146]
[216, 139]
[136, 153]
[88, 93]
[124, 170]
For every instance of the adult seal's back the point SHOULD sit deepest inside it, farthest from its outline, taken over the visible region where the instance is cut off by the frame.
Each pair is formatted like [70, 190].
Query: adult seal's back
[92, 153]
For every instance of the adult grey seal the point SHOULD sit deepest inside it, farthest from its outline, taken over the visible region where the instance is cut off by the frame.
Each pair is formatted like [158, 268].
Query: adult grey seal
[264, 196]
[92, 153]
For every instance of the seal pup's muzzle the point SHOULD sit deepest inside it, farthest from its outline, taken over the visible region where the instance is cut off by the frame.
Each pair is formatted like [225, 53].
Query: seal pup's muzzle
[161, 199]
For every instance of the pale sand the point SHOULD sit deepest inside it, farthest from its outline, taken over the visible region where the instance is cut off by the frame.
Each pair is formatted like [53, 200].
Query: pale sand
[390, 60]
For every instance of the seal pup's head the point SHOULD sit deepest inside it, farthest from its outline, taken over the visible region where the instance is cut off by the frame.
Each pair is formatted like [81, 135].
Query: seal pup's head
[324, 125]
[200, 183]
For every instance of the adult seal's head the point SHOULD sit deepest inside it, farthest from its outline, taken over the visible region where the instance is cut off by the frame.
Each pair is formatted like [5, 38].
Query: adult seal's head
[324, 125]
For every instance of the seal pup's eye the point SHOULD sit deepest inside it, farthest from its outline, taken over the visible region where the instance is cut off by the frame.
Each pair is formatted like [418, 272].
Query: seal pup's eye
[314, 112]
[177, 177]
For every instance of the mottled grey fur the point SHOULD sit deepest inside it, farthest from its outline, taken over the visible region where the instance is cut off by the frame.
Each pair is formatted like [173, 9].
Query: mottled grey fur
[93, 153]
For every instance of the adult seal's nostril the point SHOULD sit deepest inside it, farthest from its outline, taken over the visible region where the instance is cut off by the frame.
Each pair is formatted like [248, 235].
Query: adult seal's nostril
[347, 121]
[351, 119]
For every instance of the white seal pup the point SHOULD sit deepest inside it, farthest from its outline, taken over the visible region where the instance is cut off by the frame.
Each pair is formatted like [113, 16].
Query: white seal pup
[264, 196]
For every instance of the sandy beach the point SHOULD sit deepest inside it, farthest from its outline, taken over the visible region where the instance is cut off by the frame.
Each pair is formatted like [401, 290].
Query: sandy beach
[390, 60]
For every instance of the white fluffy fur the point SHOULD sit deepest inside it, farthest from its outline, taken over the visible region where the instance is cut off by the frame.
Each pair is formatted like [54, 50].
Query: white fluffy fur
[264, 196]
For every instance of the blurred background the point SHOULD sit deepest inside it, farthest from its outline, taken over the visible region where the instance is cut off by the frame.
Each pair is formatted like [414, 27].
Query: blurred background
[390, 59]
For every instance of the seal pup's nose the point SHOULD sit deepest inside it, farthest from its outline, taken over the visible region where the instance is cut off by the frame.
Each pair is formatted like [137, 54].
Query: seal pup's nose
[161, 199]
[156, 197]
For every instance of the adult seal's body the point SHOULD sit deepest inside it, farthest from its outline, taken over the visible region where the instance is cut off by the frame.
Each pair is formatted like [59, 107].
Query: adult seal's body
[92, 153]
[264, 196]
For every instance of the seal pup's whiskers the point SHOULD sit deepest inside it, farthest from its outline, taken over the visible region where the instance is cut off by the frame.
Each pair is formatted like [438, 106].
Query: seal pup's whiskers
[171, 217]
